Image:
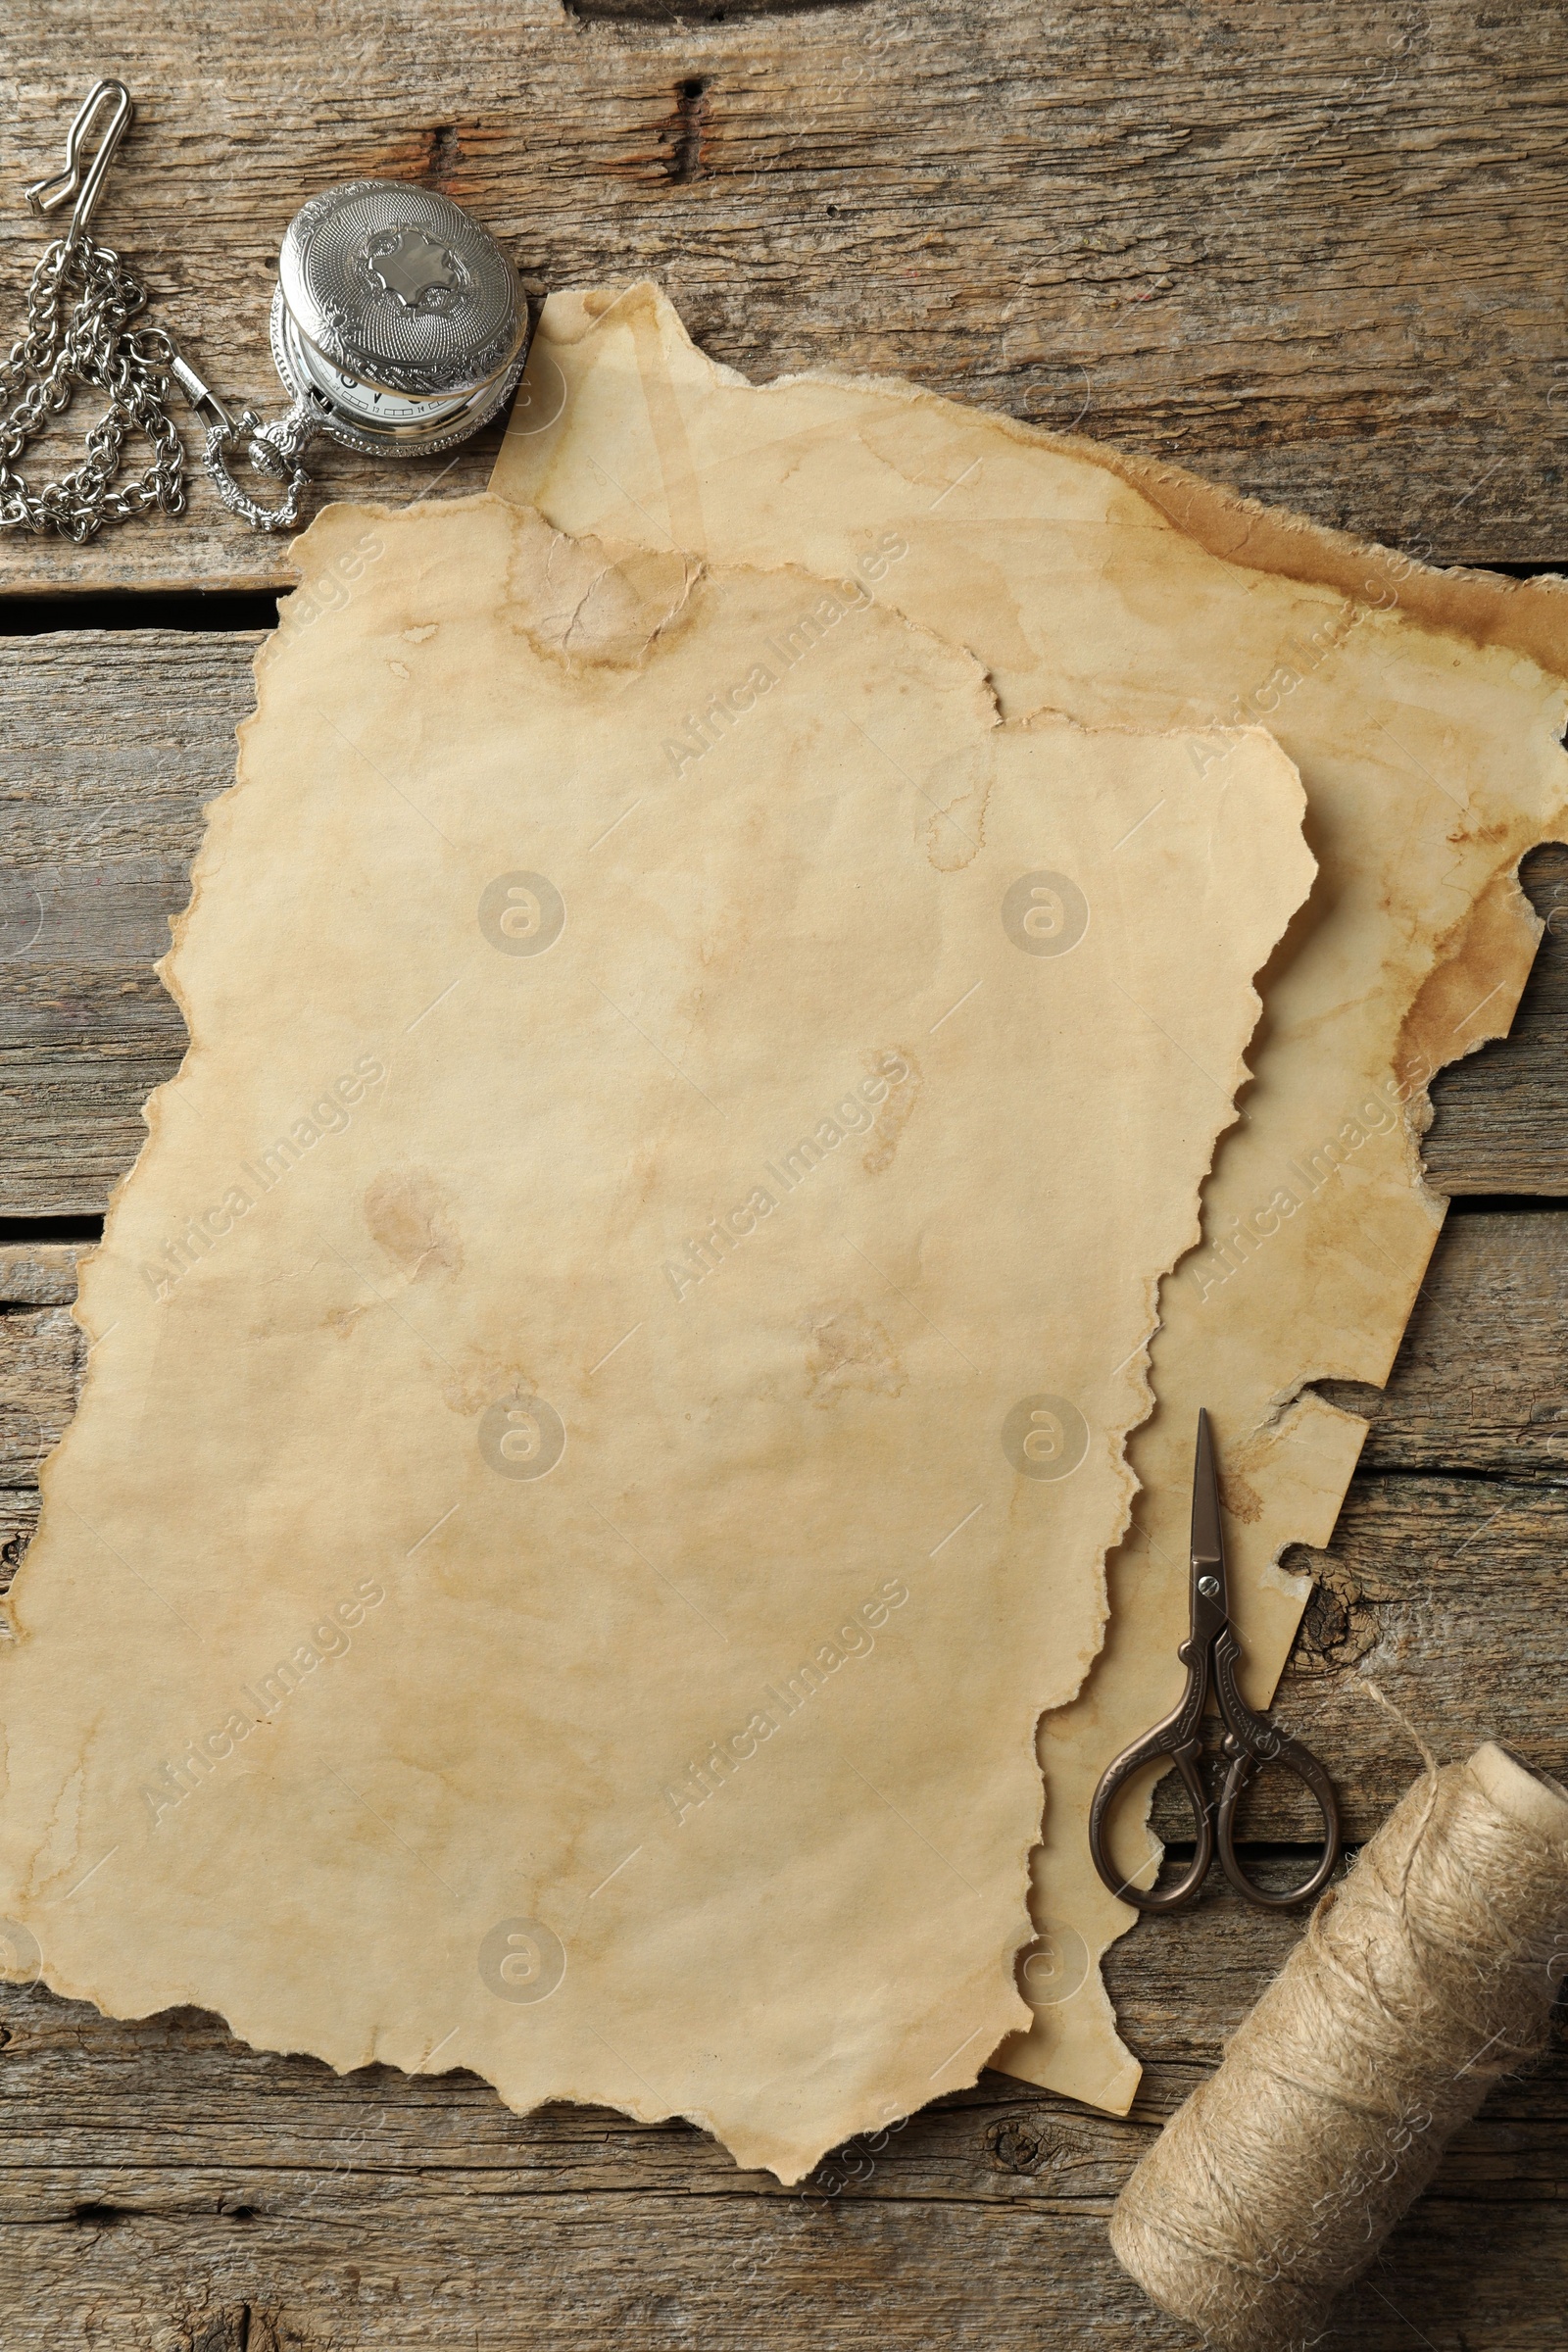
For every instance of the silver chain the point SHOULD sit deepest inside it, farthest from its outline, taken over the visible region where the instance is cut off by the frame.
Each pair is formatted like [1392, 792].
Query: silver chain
[80, 305]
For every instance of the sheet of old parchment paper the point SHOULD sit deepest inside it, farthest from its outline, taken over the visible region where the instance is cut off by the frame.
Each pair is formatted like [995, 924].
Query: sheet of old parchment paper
[1424, 711]
[608, 1379]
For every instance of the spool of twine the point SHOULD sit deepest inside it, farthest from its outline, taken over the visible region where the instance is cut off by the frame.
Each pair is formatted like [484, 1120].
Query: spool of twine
[1419, 1981]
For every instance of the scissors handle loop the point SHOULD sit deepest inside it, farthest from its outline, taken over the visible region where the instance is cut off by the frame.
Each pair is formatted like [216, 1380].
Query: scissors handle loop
[1187, 1757]
[1291, 1756]
[1251, 1743]
[1177, 1741]
[1211, 1656]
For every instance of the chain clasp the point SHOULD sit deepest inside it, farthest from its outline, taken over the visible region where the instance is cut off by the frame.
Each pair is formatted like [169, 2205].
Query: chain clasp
[48, 195]
[200, 395]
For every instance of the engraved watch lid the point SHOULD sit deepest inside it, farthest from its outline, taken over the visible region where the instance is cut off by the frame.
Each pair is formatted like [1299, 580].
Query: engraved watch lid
[401, 288]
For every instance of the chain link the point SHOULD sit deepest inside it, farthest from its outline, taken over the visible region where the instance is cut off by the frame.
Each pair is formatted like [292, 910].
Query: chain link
[80, 305]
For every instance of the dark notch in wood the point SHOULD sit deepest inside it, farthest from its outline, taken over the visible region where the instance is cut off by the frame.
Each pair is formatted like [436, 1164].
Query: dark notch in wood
[691, 109]
[445, 154]
[694, 12]
[242, 2328]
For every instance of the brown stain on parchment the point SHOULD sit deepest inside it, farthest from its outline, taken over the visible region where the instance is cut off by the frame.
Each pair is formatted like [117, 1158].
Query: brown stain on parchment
[1477, 978]
[408, 1215]
[1523, 616]
[407, 1212]
[956, 833]
[1242, 1500]
[893, 1112]
[578, 602]
[849, 1350]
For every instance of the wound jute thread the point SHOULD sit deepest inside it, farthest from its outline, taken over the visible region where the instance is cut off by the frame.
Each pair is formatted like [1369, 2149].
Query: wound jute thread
[1419, 1981]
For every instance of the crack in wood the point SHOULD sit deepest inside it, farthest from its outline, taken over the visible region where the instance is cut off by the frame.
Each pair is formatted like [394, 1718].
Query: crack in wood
[23, 1231]
[697, 12]
[233, 611]
[242, 2328]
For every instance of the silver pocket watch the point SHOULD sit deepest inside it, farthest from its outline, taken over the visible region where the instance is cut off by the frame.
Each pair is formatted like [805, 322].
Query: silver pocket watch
[399, 327]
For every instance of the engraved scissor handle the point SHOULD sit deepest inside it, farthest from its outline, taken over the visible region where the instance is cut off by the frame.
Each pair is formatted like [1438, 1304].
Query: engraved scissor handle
[1251, 1742]
[1177, 1741]
[1212, 1654]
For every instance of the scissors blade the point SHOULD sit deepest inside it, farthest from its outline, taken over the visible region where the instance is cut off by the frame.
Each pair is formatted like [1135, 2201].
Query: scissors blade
[1208, 1544]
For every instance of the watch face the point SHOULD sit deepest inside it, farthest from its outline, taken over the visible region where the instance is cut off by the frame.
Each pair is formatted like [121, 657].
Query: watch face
[400, 292]
[368, 406]
[366, 403]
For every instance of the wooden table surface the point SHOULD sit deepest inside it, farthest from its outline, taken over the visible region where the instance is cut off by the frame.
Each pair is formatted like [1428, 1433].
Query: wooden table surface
[1319, 254]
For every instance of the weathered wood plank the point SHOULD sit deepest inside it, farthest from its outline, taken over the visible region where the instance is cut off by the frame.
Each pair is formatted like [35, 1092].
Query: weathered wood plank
[114, 741]
[1481, 1382]
[1450, 1595]
[386, 2212]
[1317, 254]
[38, 1274]
[113, 744]
[852, 187]
[294, 2208]
[1479, 1386]
[1446, 1582]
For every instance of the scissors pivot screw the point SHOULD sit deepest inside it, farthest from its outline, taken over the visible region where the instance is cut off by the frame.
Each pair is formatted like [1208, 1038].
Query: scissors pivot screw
[1208, 1585]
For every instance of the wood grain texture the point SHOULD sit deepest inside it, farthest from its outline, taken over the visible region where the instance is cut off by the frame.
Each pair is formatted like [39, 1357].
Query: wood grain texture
[167, 2190]
[382, 2210]
[113, 744]
[114, 741]
[1316, 254]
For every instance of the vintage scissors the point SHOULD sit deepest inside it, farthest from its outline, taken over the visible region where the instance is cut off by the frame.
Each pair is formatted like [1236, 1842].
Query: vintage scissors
[1210, 1654]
